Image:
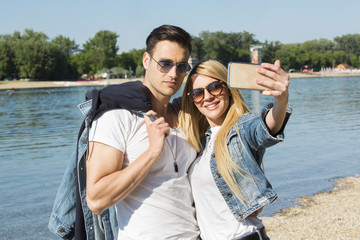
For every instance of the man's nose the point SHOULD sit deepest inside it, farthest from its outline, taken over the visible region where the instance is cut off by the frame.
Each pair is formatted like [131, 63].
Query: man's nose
[173, 72]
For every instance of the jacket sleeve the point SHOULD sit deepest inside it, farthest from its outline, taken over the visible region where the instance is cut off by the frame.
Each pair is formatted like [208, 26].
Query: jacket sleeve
[256, 132]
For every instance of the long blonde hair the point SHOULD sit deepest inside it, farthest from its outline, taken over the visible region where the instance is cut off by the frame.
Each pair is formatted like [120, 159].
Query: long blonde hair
[194, 124]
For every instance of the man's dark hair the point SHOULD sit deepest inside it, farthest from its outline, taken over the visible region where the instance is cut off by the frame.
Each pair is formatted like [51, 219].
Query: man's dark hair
[170, 33]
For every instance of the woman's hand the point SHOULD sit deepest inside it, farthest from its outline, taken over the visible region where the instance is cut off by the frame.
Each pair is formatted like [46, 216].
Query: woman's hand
[256, 213]
[280, 87]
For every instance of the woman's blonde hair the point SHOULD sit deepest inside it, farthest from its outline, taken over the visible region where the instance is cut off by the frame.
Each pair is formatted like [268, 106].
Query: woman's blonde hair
[194, 124]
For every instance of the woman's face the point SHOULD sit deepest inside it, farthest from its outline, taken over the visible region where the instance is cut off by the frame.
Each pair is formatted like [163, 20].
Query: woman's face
[214, 108]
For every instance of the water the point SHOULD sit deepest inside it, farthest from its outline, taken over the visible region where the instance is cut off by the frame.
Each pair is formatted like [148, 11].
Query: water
[39, 129]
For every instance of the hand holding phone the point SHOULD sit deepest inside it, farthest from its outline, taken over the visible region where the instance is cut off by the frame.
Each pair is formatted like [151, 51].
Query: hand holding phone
[243, 75]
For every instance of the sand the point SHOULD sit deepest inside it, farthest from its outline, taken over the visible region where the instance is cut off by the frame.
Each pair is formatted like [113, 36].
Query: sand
[332, 216]
[23, 84]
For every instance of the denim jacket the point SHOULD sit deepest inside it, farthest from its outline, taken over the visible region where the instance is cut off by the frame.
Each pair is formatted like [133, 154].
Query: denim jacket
[131, 96]
[62, 219]
[248, 153]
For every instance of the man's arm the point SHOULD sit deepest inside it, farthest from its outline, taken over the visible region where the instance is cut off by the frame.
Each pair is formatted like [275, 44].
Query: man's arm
[106, 181]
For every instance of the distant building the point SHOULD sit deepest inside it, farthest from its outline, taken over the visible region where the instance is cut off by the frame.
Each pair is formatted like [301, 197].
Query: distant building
[256, 54]
[344, 66]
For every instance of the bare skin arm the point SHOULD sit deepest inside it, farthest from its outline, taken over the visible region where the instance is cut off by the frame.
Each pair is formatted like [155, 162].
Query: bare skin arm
[107, 182]
[279, 89]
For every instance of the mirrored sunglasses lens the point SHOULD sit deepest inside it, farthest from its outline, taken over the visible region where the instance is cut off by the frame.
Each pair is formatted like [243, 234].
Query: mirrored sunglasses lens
[183, 67]
[166, 66]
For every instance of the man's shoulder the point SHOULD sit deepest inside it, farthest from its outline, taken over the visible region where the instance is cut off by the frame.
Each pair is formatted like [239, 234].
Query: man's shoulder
[117, 115]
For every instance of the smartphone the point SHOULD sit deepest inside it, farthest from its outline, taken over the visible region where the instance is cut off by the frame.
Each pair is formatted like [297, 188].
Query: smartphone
[243, 75]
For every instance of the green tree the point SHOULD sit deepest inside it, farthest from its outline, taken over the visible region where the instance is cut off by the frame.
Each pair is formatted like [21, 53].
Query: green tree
[350, 44]
[269, 51]
[227, 47]
[353, 60]
[67, 68]
[339, 57]
[327, 59]
[325, 45]
[82, 63]
[29, 34]
[198, 51]
[36, 59]
[69, 47]
[7, 67]
[132, 61]
[289, 56]
[101, 50]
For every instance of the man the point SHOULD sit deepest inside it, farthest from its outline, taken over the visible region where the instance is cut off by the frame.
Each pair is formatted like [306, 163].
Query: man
[140, 164]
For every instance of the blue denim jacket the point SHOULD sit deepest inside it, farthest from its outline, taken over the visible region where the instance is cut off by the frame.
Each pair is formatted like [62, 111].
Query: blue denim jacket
[62, 219]
[248, 153]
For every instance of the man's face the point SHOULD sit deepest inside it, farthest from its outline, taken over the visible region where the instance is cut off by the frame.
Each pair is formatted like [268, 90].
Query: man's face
[160, 83]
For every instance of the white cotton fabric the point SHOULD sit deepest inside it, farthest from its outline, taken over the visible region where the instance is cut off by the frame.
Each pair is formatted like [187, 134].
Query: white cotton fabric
[214, 217]
[161, 207]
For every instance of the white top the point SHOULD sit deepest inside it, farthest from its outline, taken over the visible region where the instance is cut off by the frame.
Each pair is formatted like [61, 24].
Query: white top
[214, 217]
[161, 206]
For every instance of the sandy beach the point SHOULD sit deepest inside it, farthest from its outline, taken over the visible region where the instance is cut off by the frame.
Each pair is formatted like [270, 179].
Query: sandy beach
[332, 216]
[20, 84]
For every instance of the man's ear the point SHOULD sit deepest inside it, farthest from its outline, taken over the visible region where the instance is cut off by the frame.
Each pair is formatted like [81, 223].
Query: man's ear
[146, 60]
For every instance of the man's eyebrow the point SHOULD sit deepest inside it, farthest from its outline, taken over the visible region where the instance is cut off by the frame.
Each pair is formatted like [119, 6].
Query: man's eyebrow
[170, 60]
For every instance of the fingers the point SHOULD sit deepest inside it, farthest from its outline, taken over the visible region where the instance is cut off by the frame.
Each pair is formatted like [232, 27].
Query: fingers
[256, 213]
[156, 126]
[280, 84]
[157, 131]
[273, 71]
[277, 63]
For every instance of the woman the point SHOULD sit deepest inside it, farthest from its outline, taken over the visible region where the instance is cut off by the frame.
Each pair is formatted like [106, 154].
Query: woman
[228, 184]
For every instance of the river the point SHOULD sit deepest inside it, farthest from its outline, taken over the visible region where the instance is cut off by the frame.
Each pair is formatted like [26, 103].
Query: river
[39, 129]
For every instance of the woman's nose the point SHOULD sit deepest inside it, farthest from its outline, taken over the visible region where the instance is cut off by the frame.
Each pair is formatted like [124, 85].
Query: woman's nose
[207, 95]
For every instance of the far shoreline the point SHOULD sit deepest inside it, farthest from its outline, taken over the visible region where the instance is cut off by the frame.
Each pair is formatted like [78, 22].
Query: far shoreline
[28, 84]
[25, 84]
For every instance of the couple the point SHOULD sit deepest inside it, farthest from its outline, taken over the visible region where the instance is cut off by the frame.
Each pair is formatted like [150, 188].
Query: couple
[143, 164]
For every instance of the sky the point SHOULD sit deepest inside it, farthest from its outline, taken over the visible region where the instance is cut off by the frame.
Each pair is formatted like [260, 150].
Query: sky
[286, 21]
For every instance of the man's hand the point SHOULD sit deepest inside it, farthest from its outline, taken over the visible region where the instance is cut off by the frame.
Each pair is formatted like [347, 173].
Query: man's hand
[157, 130]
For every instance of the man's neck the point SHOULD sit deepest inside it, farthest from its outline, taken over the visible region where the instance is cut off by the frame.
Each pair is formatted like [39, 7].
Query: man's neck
[164, 109]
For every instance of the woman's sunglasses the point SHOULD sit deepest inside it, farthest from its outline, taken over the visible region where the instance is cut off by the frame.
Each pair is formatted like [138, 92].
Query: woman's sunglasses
[165, 65]
[214, 88]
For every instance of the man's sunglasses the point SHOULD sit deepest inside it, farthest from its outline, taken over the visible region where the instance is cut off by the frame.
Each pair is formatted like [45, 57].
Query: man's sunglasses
[214, 88]
[165, 65]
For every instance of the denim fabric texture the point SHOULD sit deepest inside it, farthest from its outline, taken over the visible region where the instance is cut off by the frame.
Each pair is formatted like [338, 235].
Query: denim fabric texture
[63, 215]
[247, 150]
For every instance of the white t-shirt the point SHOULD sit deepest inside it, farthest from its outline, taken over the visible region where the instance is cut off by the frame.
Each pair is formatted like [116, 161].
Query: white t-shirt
[214, 217]
[161, 206]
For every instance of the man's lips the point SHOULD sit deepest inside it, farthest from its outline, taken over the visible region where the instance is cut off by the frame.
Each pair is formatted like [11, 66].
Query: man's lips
[170, 83]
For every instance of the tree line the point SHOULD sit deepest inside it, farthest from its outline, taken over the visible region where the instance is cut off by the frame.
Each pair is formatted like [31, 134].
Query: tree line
[33, 55]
